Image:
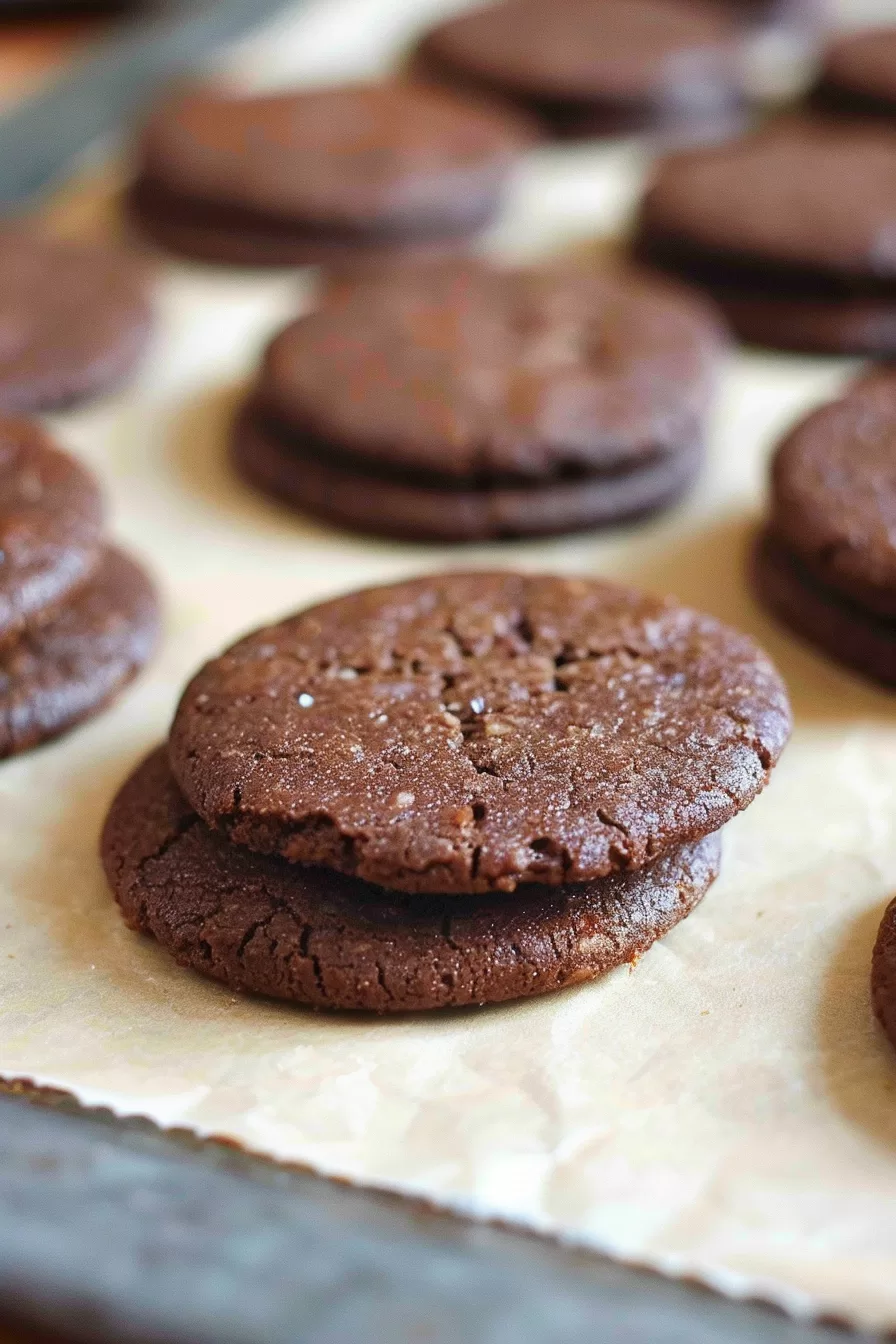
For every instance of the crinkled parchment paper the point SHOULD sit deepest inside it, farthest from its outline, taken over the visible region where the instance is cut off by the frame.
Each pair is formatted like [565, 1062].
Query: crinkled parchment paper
[728, 1108]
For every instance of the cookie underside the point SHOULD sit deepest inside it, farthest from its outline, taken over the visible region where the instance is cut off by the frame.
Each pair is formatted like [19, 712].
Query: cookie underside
[313, 937]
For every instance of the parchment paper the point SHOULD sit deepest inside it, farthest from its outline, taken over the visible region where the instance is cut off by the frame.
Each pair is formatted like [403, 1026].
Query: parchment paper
[728, 1108]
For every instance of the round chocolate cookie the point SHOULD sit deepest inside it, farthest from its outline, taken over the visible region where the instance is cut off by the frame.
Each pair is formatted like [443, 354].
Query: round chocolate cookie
[51, 517]
[858, 74]
[597, 65]
[289, 174]
[315, 937]
[833, 499]
[469, 732]
[64, 671]
[74, 320]
[814, 198]
[845, 632]
[317, 481]
[883, 974]
[470, 373]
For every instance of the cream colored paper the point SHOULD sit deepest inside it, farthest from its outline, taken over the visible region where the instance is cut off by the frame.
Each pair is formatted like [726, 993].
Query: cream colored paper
[728, 1108]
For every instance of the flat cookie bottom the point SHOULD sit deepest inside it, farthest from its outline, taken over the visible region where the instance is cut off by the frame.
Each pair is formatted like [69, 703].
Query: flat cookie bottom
[66, 670]
[861, 326]
[860, 640]
[883, 974]
[385, 505]
[232, 237]
[314, 937]
[780, 306]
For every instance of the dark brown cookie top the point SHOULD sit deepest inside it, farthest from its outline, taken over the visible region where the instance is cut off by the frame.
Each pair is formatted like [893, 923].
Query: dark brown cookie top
[469, 732]
[863, 63]
[315, 937]
[51, 517]
[834, 497]
[61, 672]
[374, 155]
[799, 192]
[883, 974]
[592, 50]
[74, 319]
[467, 371]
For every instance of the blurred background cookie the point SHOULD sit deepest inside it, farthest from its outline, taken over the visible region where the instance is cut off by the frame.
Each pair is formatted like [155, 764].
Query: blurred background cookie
[303, 176]
[826, 564]
[599, 66]
[858, 74]
[465, 402]
[74, 321]
[791, 229]
[78, 618]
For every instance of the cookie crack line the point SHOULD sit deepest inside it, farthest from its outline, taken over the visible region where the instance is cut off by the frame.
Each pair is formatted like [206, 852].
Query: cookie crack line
[315, 938]
[479, 732]
[183, 825]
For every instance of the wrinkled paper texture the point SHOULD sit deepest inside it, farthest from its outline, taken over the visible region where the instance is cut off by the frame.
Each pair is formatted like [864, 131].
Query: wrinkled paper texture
[726, 1109]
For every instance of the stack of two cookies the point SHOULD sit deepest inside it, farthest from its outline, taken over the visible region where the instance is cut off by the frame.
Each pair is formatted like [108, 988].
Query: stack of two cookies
[78, 618]
[826, 562]
[322, 175]
[789, 228]
[456, 790]
[462, 402]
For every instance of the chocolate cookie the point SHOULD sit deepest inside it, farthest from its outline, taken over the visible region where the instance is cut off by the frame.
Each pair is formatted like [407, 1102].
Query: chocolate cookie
[841, 629]
[471, 732]
[51, 516]
[469, 373]
[315, 937]
[74, 320]
[834, 499]
[64, 671]
[285, 178]
[589, 66]
[312, 478]
[790, 229]
[858, 73]
[883, 974]
[814, 198]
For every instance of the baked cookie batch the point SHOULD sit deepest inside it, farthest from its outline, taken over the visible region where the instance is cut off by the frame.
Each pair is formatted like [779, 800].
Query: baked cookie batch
[471, 787]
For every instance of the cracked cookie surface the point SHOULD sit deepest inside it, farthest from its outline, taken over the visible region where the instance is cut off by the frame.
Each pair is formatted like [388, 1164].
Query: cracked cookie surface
[471, 732]
[316, 937]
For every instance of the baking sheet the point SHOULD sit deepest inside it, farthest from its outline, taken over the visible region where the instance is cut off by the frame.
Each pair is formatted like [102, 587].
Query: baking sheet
[728, 1108]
